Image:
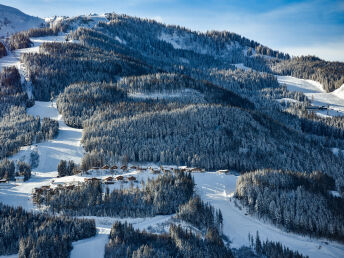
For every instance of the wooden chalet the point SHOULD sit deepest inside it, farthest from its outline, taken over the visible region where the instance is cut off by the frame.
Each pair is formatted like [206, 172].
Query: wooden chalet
[3, 181]
[110, 178]
[133, 167]
[124, 167]
[105, 167]
[93, 179]
[114, 167]
[119, 178]
[132, 178]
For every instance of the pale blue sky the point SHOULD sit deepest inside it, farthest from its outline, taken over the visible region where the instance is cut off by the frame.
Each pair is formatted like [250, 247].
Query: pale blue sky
[297, 27]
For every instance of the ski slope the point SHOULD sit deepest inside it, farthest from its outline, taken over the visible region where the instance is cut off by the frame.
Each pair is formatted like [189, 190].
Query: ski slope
[218, 189]
[65, 146]
[13, 57]
[95, 247]
[316, 93]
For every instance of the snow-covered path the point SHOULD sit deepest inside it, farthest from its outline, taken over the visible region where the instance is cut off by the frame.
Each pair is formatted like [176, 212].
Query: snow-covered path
[316, 93]
[218, 190]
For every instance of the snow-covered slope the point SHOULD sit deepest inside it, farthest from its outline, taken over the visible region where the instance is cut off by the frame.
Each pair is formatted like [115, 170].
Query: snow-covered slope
[12, 20]
[316, 93]
[218, 189]
[65, 146]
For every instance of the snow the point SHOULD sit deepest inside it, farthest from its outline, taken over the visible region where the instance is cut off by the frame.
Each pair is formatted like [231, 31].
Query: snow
[12, 20]
[13, 58]
[316, 93]
[213, 187]
[184, 93]
[122, 41]
[335, 193]
[91, 247]
[65, 146]
[94, 247]
[218, 189]
[86, 21]
[174, 40]
[242, 67]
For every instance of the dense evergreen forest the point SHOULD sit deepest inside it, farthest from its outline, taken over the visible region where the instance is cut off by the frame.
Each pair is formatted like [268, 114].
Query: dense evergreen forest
[296, 201]
[125, 241]
[150, 88]
[39, 235]
[156, 197]
[10, 169]
[146, 92]
[217, 137]
[17, 128]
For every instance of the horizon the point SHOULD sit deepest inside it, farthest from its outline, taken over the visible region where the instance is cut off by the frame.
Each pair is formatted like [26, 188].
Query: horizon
[313, 27]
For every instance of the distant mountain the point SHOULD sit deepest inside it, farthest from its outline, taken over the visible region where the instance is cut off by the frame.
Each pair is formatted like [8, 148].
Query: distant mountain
[12, 20]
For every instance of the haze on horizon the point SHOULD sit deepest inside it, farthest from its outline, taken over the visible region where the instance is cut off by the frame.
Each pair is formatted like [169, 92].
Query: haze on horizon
[314, 27]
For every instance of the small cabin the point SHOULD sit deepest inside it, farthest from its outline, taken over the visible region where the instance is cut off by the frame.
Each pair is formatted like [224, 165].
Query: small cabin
[132, 178]
[119, 178]
[124, 167]
[223, 171]
[95, 168]
[3, 181]
[114, 167]
[110, 178]
[93, 179]
[109, 182]
[105, 167]
[133, 167]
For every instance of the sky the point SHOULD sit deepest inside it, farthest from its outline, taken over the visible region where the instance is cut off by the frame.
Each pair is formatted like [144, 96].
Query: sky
[314, 27]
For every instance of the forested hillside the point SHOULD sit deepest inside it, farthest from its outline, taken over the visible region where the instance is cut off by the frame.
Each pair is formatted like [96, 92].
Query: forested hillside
[134, 92]
[17, 128]
[299, 202]
[139, 91]
[38, 235]
[329, 74]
